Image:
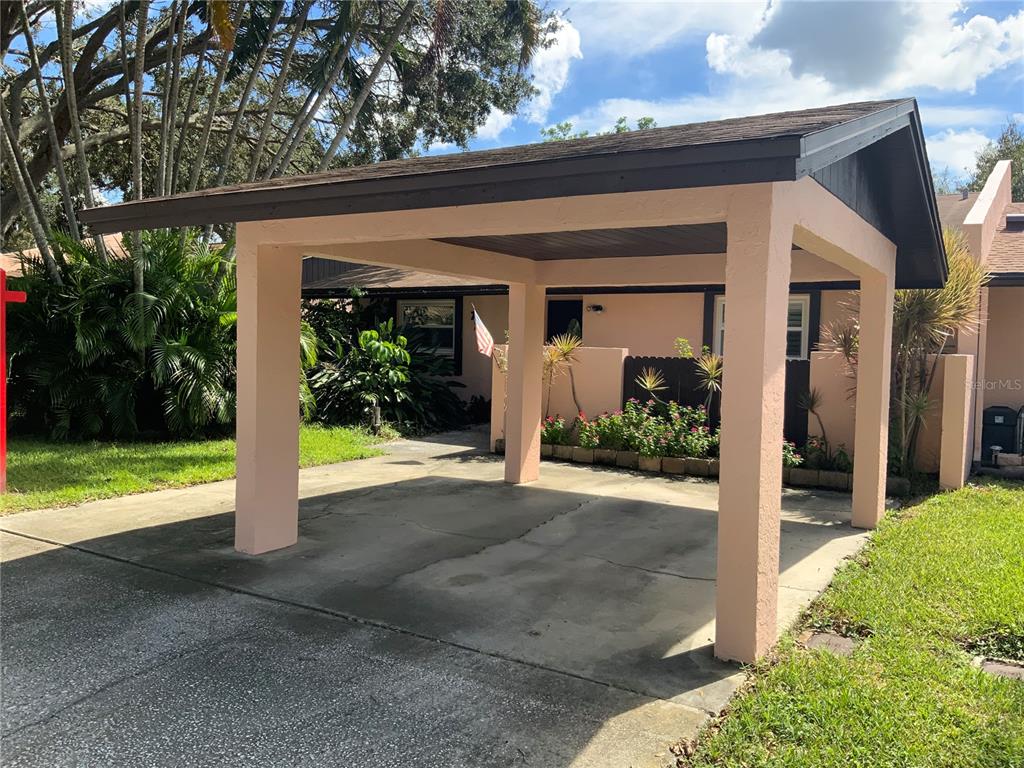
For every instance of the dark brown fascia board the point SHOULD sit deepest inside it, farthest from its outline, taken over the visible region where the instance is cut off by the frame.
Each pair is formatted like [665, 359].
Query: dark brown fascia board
[501, 290]
[735, 162]
[1007, 280]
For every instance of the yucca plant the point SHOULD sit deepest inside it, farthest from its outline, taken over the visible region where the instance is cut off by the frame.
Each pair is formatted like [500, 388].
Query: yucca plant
[652, 381]
[563, 350]
[923, 322]
[709, 375]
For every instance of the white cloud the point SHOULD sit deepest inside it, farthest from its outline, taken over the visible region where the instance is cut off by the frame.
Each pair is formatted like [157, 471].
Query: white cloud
[495, 124]
[634, 28]
[955, 150]
[885, 48]
[551, 70]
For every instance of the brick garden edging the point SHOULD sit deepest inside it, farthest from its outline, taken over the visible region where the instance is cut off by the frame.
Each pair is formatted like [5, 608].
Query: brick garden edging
[798, 477]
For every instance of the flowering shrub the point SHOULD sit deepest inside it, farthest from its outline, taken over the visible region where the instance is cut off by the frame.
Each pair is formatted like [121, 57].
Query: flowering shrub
[587, 434]
[790, 458]
[656, 429]
[554, 431]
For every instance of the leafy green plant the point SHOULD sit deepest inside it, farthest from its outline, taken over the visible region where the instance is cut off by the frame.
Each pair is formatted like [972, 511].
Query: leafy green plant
[554, 431]
[790, 456]
[94, 357]
[923, 322]
[587, 434]
[683, 348]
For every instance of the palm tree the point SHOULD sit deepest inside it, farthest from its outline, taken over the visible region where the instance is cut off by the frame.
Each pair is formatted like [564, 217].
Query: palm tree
[923, 322]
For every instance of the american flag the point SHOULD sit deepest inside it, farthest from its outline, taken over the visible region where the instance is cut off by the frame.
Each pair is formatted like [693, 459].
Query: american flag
[484, 340]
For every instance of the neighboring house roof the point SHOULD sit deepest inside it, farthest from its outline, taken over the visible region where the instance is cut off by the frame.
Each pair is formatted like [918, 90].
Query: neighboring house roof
[11, 261]
[1006, 256]
[869, 154]
[953, 209]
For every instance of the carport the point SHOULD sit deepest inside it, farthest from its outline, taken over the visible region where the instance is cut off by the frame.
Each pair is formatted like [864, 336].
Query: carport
[822, 195]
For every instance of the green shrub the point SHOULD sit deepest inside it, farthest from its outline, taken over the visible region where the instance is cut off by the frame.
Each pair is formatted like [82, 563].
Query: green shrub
[94, 358]
[554, 431]
[586, 433]
[790, 457]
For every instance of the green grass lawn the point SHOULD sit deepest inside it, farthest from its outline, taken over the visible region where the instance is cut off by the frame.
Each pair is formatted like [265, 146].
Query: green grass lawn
[47, 474]
[941, 574]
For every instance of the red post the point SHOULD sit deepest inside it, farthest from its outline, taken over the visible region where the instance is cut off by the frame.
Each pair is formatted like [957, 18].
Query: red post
[13, 297]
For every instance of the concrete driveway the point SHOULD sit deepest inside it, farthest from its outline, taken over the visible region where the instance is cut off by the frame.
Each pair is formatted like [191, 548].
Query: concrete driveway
[430, 615]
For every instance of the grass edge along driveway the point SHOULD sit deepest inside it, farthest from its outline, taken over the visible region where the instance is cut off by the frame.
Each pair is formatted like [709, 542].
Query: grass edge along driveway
[933, 578]
[43, 474]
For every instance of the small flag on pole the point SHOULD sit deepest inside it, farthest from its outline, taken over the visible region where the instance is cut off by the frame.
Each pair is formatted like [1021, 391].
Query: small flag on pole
[484, 340]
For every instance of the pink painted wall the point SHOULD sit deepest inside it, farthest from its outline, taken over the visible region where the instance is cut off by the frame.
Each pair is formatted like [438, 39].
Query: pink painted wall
[837, 409]
[1004, 360]
[598, 374]
[477, 368]
[646, 324]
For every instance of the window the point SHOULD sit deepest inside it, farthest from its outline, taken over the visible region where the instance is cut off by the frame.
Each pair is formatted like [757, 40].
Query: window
[796, 326]
[436, 318]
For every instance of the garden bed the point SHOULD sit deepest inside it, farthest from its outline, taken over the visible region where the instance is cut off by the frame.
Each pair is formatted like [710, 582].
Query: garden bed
[796, 477]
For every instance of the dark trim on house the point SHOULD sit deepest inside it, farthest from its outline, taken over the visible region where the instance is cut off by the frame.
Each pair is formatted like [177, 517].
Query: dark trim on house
[413, 293]
[502, 290]
[392, 302]
[813, 321]
[457, 341]
[1007, 280]
[708, 331]
[620, 289]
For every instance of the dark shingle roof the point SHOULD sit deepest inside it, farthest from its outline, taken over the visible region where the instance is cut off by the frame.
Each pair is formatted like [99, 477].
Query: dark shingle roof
[953, 209]
[871, 155]
[1006, 257]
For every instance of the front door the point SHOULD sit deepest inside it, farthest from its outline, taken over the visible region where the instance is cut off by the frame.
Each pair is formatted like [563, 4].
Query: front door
[565, 316]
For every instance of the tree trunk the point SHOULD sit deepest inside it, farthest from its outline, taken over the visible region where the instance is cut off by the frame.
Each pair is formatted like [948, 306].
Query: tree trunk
[197, 77]
[243, 101]
[65, 23]
[364, 93]
[135, 115]
[173, 101]
[165, 103]
[204, 137]
[51, 130]
[280, 165]
[21, 181]
[275, 97]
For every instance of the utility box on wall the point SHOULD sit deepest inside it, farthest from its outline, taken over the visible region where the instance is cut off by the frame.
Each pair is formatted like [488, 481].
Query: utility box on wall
[998, 428]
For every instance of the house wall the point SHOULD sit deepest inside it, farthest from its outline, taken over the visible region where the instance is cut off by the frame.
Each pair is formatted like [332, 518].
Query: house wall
[477, 368]
[1003, 381]
[645, 324]
[597, 372]
[837, 306]
[831, 378]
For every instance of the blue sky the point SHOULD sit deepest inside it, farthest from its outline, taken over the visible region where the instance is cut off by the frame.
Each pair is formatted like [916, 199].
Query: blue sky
[685, 62]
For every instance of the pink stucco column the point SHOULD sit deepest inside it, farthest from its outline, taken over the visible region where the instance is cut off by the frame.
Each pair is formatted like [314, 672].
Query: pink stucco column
[267, 485]
[757, 270]
[525, 368]
[871, 431]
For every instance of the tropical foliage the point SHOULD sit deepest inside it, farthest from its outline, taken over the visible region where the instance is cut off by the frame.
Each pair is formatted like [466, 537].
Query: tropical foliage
[384, 367]
[91, 356]
[924, 321]
[194, 93]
